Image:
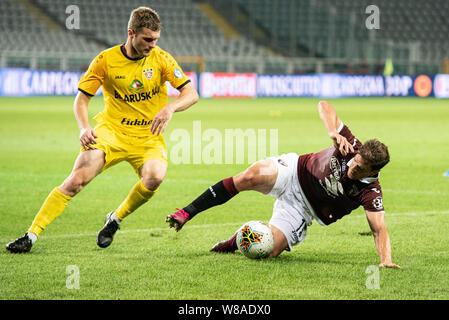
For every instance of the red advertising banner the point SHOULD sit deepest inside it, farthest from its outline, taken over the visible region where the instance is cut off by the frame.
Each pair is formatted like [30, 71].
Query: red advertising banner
[227, 85]
[172, 92]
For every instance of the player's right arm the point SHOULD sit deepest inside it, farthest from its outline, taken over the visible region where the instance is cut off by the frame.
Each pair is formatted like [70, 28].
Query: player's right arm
[333, 125]
[80, 108]
[376, 222]
[91, 80]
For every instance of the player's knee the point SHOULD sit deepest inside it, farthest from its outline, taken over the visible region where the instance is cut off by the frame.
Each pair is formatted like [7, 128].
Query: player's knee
[280, 242]
[152, 182]
[275, 252]
[73, 184]
[251, 178]
[259, 176]
[153, 173]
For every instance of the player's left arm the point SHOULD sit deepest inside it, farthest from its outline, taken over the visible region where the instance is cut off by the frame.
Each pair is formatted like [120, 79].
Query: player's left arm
[187, 97]
[333, 126]
[376, 221]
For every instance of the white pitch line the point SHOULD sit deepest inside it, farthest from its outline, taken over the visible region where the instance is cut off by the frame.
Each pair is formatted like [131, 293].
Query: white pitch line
[396, 214]
[79, 235]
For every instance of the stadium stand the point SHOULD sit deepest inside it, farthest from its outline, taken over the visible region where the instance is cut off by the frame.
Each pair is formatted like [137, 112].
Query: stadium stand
[27, 32]
[37, 28]
[272, 36]
[410, 31]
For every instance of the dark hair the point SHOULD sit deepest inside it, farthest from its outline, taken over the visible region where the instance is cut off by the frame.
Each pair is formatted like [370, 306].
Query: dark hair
[144, 17]
[376, 153]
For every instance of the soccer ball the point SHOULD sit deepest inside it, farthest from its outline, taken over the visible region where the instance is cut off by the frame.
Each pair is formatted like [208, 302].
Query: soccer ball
[255, 240]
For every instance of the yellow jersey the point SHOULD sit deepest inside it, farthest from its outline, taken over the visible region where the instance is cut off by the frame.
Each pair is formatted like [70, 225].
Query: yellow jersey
[134, 89]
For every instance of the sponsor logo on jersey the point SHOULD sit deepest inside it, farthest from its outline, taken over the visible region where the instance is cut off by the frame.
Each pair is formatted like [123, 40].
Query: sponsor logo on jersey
[343, 165]
[331, 184]
[119, 77]
[148, 73]
[138, 97]
[136, 85]
[335, 168]
[136, 122]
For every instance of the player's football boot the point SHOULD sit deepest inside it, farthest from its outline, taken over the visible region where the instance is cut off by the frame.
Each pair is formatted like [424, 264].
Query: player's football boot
[106, 235]
[177, 219]
[226, 246]
[20, 245]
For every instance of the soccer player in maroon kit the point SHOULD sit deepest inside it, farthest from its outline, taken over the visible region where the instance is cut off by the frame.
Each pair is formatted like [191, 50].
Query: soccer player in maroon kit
[322, 186]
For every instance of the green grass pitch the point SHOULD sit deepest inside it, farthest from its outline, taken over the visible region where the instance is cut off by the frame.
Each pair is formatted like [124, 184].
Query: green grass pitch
[147, 260]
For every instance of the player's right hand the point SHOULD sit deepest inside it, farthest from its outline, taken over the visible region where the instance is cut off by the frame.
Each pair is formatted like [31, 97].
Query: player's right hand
[87, 138]
[341, 143]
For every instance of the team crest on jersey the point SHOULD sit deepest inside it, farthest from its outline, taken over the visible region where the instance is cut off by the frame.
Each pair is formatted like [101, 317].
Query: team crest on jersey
[282, 162]
[148, 73]
[331, 183]
[136, 85]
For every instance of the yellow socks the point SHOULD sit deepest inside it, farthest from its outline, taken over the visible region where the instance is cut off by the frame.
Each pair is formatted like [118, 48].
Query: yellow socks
[137, 197]
[56, 202]
[51, 208]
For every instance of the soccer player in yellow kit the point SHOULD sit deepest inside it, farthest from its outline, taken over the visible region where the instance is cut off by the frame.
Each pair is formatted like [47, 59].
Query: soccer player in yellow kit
[130, 127]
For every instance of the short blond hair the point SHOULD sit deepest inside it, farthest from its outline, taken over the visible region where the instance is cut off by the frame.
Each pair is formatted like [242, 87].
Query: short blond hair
[144, 17]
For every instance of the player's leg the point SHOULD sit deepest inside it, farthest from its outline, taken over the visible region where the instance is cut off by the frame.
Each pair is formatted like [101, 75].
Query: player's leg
[280, 242]
[152, 173]
[230, 245]
[87, 165]
[287, 224]
[261, 177]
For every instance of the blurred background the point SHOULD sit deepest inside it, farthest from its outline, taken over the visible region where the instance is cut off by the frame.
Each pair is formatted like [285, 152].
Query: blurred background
[265, 37]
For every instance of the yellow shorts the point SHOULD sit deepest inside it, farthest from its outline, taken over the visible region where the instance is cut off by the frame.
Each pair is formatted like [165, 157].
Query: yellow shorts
[120, 147]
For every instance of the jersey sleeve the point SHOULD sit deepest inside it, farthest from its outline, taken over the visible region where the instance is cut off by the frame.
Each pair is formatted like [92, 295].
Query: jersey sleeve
[372, 199]
[345, 132]
[172, 72]
[94, 77]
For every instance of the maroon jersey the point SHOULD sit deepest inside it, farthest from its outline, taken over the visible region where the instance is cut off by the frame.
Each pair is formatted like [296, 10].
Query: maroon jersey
[323, 177]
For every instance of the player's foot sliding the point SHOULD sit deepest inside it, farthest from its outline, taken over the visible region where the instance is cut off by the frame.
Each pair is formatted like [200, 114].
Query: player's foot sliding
[215, 195]
[20, 245]
[177, 219]
[226, 246]
[106, 234]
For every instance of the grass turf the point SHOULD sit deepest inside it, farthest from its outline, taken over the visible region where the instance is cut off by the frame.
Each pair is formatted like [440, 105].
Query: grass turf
[148, 261]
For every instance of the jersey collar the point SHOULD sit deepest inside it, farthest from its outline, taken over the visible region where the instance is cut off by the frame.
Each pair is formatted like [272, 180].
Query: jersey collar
[122, 49]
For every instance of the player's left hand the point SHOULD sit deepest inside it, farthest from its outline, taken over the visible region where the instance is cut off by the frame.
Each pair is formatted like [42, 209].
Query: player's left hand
[389, 265]
[341, 143]
[161, 120]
